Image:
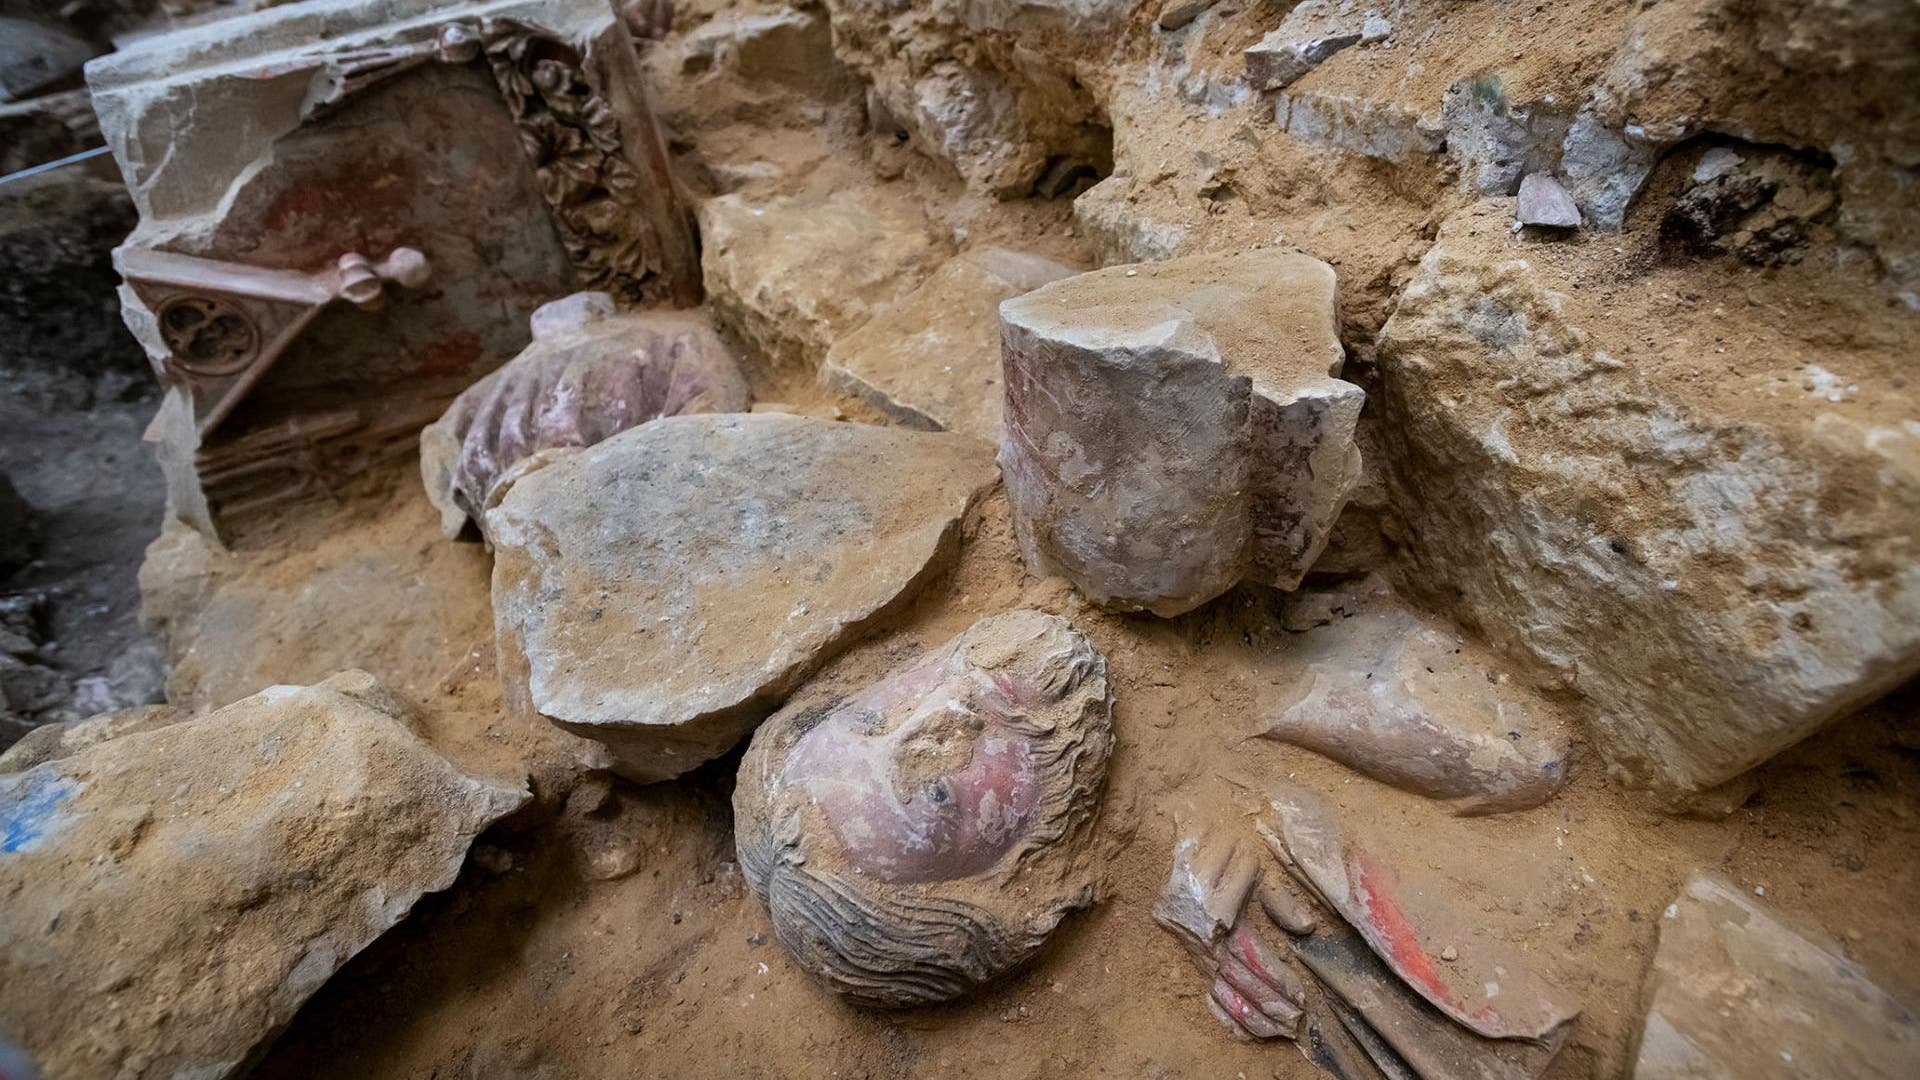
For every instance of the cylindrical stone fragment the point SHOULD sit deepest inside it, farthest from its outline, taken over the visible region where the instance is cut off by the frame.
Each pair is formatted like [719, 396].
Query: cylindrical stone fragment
[1172, 428]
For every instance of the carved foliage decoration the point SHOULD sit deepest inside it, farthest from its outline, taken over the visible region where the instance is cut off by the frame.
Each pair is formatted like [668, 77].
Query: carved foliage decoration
[573, 138]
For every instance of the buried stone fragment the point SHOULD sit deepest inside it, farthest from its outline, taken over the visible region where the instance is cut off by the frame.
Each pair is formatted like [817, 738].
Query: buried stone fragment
[589, 374]
[928, 833]
[1736, 991]
[1485, 990]
[665, 590]
[1172, 428]
[173, 894]
[1545, 203]
[1410, 703]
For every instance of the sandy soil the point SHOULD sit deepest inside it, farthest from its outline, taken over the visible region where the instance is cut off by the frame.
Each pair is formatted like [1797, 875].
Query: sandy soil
[606, 931]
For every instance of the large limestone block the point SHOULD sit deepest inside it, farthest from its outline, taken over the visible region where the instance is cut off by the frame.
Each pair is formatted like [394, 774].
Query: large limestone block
[1175, 427]
[1714, 547]
[174, 895]
[1738, 994]
[933, 360]
[793, 275]
[669, 587]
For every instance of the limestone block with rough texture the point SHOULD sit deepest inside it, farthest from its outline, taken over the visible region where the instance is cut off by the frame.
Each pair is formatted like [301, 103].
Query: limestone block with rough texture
[793, 275]
[991, 88]
[1713, 549]
[1311, 32]
[198, 882]
[933, 360]
[669, 587]
[1175, 427]
[1738, 992]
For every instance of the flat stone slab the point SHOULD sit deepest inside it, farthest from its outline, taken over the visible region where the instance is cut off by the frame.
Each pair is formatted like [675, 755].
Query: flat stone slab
[174, 895]
[1736, 992]
[1175, 427]
[671, 585]
[589, 373]
[932, 361]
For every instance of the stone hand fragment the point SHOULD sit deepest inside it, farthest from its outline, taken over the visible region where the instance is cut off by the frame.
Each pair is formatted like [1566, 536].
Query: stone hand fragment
[928, 833]
[668, 587]
[198, 882]
[589, 374]
[1411, 703]
[1737, 992]
[1217, 871]
[1173, 428]
[1488, 992]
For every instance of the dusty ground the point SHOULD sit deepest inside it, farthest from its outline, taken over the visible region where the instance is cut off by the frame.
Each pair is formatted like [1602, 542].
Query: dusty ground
[605, 931]
[541, 962]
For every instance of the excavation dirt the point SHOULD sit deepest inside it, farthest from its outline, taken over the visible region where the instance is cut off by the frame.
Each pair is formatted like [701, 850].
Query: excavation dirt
[606, 931]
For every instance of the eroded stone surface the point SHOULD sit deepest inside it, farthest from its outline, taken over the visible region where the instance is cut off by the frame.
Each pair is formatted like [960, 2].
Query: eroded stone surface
[1737, 992]
[1175, 427]
[933, 360]
[1718, 567]
[989, 87]
[1311, 32]
[200, 881]
[793, 275]
[670, 586]
[1411, 702]
[589, 374]
[928, 833]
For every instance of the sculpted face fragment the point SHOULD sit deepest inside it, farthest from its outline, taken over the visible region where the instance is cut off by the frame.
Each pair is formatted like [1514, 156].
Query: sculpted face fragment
[928, 833]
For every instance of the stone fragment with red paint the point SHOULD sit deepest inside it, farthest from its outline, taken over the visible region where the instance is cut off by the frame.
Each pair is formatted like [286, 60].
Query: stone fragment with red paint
[1173, 428]
[926, 834]
[1484, 988]
[589, 374]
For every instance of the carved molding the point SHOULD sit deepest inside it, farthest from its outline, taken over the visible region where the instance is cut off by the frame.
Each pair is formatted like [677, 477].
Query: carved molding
[604, 208]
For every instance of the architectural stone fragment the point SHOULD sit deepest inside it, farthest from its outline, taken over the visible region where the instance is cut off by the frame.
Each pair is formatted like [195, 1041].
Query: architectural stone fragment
[588, 375]
[1175, 427]
[197, 882]
[666, 589]
[933, 360]
[348, 210]
[1738, 992]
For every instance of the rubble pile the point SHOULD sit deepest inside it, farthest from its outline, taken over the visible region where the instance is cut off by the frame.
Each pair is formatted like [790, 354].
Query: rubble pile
[883, 539]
